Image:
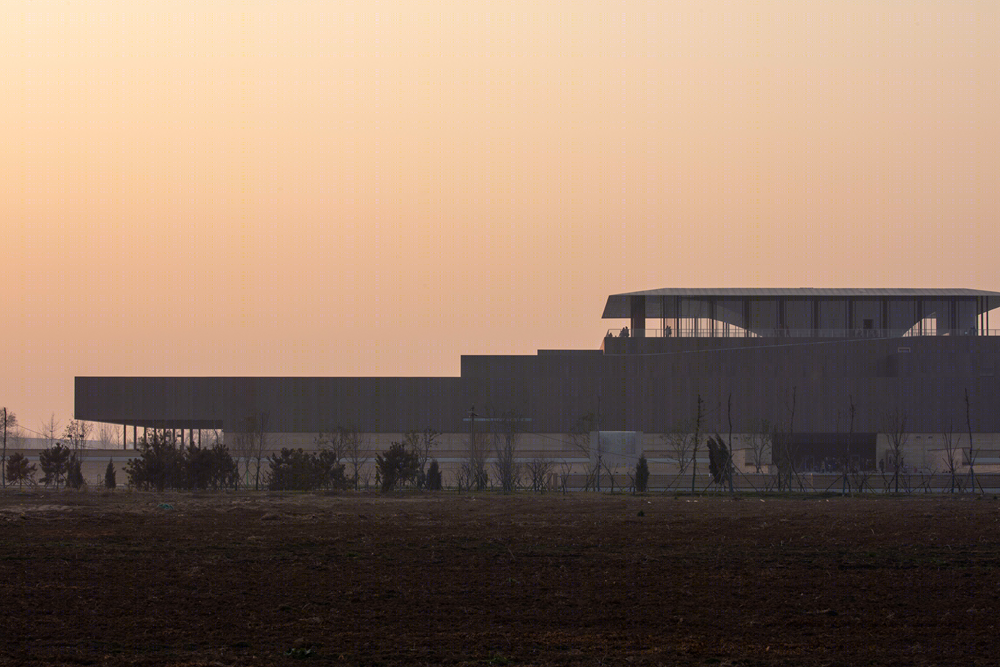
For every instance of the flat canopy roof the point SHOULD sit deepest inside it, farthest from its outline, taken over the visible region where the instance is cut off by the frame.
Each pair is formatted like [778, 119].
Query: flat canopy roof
[618, 305]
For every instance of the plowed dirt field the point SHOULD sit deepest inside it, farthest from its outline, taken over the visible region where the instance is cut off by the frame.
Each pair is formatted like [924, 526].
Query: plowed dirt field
[227, 579]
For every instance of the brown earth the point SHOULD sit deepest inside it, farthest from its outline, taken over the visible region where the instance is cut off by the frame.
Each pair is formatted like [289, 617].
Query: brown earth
[224, 579]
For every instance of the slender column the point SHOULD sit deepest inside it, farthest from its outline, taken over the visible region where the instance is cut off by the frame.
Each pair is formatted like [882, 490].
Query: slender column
[124, 436]
[663, 317]
[135, 432]
[711, 314]
[637, 310]
[677, 315]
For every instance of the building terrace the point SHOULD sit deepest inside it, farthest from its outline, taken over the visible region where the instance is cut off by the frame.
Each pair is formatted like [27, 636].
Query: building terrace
[801, 312]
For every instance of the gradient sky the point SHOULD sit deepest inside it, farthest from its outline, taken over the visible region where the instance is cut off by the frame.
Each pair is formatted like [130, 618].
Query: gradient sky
[320, 187]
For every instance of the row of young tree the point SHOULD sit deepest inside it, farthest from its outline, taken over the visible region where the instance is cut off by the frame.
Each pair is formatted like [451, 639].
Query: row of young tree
[60, 466]
[770, 448]
[342, 457]
[62, 462]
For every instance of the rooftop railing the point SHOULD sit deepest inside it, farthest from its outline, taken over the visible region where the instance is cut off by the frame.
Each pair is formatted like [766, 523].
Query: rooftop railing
[724, 331]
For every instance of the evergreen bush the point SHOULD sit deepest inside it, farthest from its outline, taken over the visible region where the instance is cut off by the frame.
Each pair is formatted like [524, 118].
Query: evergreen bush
[434, 476]
[641, 475]
[53, 462]
[396, 466]
[74, 475]
[109, 476]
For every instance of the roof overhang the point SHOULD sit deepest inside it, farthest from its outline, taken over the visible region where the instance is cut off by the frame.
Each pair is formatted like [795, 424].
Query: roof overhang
[619, 305]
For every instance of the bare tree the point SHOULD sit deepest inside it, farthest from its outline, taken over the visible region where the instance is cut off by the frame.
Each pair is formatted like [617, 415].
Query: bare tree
[472, 473]
[261, 437]
[8, 420]
[241, 444]
[76, 434]
[729, 452]
[783, 456]
[506, 439]
[108, 437]
[343, 438]
[539, 469]
[565, 469]
[50, 429]
[895, 426]
[951, 455]
[611, 470]
[760, 438]
[422, 443]
[249, 445]
[846, 463]
[18, 438]
[357, 452]
[679, 444]
[972, 450]
[215, 436]
[697, 436]
[579, 438]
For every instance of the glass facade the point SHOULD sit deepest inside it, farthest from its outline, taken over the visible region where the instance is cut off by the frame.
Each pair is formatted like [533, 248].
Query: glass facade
[832, 316]
[799, 316]
[902, 317]
[804, 315]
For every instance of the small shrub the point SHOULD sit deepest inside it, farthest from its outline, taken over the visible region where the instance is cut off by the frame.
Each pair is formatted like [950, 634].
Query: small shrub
[19, 469]
[396, 466]
[163, 464]
[641, 475]
[109, 476]
[434, 476]
[294, 470]
[53, 462]
[718, 459]
[74, 476]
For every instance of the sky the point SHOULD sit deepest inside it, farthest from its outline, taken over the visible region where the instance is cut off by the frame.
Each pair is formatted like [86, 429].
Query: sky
[310, 187]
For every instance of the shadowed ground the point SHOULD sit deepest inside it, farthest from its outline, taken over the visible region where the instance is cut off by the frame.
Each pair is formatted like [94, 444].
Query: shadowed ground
[488, 580]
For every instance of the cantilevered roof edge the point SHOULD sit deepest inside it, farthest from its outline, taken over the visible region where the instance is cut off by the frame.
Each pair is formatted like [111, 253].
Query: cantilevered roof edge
[618, 305]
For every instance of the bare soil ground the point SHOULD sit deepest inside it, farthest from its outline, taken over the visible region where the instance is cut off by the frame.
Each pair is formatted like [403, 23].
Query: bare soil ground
[226, 579]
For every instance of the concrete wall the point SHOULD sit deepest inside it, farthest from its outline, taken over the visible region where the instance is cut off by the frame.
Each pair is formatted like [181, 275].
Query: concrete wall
[644, 385]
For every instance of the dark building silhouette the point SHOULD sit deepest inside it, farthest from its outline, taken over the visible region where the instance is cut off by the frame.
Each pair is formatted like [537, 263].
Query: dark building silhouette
[750, 354]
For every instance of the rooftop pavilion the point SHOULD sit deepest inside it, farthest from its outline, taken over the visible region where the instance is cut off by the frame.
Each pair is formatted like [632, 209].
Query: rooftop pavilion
[802, 312]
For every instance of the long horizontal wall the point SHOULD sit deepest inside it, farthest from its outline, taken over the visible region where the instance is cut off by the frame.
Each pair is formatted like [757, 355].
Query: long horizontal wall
[644, 385]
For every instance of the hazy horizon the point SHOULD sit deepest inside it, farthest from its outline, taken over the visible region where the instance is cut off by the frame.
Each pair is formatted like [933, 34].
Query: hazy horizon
[376, 188]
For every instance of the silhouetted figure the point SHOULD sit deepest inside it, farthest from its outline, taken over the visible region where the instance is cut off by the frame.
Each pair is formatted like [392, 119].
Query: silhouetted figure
[624, 333]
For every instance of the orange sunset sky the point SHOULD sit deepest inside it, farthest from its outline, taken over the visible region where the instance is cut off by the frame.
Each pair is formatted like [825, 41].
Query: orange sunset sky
[326, 187]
